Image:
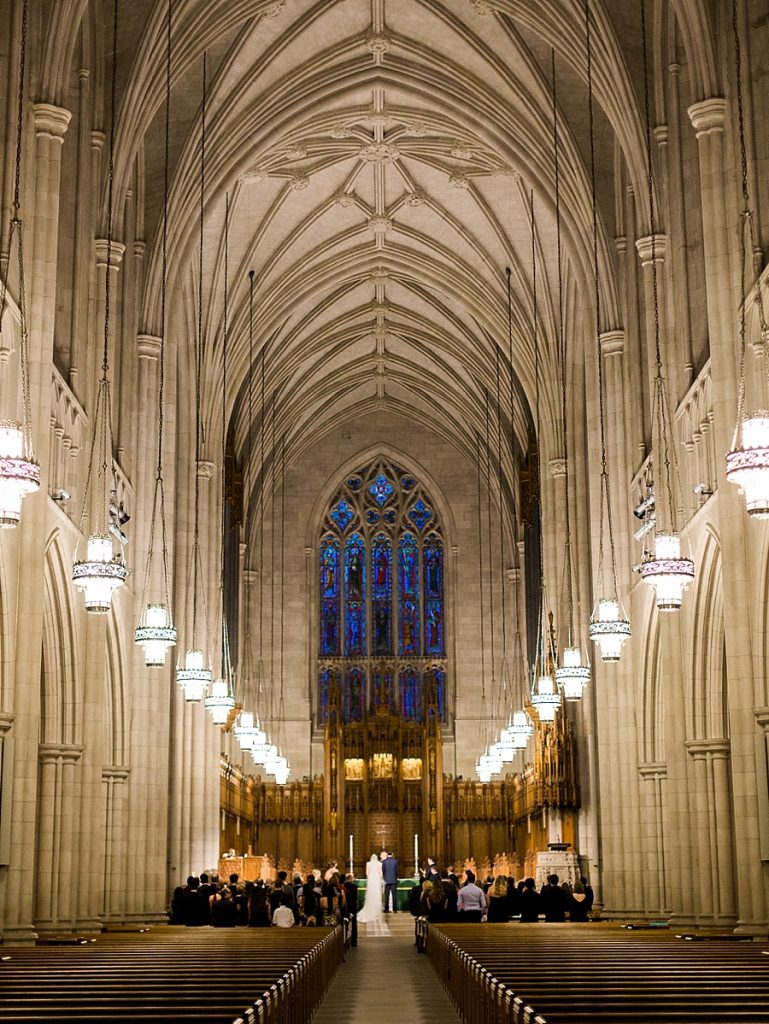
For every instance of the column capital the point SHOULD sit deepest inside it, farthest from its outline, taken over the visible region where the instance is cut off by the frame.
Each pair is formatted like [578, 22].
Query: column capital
[250, 577]
[557, 467]
[700, 749]
[115, 773]
[612, 343]
[651, 770]
[206, 469]
[708, 116]
[50, 121]
[112, 251]
[762, 717]
[513, 575]
[6, 721]
[148, 346]
[644, 247]
[661, 134]
[98, 138]
[68, 753]
[620, 242]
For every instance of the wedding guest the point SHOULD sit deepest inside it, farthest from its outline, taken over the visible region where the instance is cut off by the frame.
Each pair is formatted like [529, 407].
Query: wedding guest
[528, 902]
[553, 900]
[471, 901]
[498, 902]
[283, 916]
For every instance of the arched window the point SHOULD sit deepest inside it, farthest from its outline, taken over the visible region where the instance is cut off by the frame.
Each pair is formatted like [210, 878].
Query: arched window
[382, 619]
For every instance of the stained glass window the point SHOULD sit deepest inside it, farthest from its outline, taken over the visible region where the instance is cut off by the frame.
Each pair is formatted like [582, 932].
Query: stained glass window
[354, 596]
[432, 554]
[411, 694]
[329, 597]
[382, 594]
[354, 687]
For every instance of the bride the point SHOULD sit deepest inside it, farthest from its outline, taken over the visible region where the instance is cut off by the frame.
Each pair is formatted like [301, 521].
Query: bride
[372, 913]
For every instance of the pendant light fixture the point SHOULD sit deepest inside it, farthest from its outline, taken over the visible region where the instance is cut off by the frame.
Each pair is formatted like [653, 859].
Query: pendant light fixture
[221, 699]
[156, 631]
[280, 767]
[571, 675]
[484, 769]
[519, 727]
[261, 746]
[609, 626]
[103, 570]
[667, 572]
[747, 464]
[19, 473]
[195, 676]
[545, 696]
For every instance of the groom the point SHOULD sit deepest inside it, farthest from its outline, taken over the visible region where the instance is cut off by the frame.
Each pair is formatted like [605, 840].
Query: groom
[390, 876]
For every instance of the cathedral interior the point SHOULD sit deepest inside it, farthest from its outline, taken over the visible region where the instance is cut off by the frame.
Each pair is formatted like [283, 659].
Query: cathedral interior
[383, 461]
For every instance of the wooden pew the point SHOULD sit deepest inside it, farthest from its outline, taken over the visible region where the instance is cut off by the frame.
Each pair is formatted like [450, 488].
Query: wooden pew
[571, 974]
[210, 976]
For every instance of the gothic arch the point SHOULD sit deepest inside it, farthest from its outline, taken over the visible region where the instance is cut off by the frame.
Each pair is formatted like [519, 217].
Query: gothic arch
[60, 687]
[652, 737]
[707, 703]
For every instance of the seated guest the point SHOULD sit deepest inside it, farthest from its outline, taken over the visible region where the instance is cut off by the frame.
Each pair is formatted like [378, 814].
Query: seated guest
[259, 912]
[224, 912]
[553, 900]
[436, 903]
[308, 910]
[471, 901]
[578, 903]
[588, 893]
[498, 902]
[283, 915]
[196, 909]
[450, 887]
[281, 891]
[176, 915]
[528, 902]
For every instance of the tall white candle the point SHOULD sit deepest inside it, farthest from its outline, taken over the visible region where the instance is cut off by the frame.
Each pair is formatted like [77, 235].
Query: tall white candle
[416, 853]
[351, 853]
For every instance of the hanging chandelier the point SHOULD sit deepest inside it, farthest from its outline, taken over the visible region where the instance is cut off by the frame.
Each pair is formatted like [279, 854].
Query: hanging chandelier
[260, 747]
[245, 732]
[19, 473]
[747, 465]
[545, 698]
[156, 631]
[571, 675]
[667, 572]
[609, 628]
[520, 729]
[103, 570]
[220, 701]
[193, 677]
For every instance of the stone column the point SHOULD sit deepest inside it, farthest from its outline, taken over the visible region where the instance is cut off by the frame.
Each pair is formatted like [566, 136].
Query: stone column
[50, 126]
[644, 247]
[714, 842]
[740, 542]
[57, 834]
[114, 778]
[96, 352]
[653, 844]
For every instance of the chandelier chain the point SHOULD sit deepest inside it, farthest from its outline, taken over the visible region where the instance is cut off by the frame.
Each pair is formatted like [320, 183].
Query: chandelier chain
[517, 640]
[20, 112]
[480, 569]
[282, 564]
[489, 542]
[199, 359]
[501, 523]
[249, 475]
[273, 574]
[225, 339]
[562, 354]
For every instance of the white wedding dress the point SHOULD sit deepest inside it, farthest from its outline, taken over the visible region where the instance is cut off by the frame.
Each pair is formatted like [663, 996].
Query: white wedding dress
[372, 913]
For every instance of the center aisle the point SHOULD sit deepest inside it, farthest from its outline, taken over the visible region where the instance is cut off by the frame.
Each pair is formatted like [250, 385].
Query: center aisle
[385, 981]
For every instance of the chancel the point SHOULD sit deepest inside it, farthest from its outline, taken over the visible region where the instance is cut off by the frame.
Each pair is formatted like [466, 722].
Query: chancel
[384, 464]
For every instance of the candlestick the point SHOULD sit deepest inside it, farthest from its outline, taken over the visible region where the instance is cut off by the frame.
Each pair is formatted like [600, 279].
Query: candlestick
[416, 855]
[351, 853]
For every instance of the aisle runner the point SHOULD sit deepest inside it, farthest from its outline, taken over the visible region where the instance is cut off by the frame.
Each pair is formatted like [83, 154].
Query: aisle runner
[385, 981]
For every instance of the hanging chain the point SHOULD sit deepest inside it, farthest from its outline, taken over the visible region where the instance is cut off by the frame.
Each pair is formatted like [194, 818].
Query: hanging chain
[249, 474]
[272, 562]
[480, 570]
[518, 644]
[199, 361]
[282, 563]
[567, 569]
[164, 283]
[262, 510]
[502, 560]
[225, 328]
[488, 544]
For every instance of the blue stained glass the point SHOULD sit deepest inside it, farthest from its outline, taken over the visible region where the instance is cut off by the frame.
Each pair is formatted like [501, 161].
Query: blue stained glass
[372, 516]
[420, 514]
[382, 690]
[411, 695]
[407, 483]
[354, 686]
[408, 596]
[329, 598]
[342, 515]
[324, 688]
[355, 596]
[389, 516]
[381, 595]
[381, 489]
[433, 585]
[354, 483]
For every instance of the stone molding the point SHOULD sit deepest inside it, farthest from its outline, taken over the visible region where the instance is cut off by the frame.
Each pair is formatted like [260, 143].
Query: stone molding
[148, 346]
[115, 773]
[708, 116]
[250, 577]
[206, 469]
[762, 717]
[50, 121]
[644, 247]
[68, 753]
[612, 343]
[700, 749]
[651, 770]
[6, 722]
[104, 249]
[557, 467]
[513, 575]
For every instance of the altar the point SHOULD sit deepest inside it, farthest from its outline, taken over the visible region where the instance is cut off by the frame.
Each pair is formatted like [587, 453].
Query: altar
[248, 869]
[405, 885]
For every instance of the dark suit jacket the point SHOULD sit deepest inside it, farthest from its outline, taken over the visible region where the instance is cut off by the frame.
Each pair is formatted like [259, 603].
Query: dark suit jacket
[390, 871]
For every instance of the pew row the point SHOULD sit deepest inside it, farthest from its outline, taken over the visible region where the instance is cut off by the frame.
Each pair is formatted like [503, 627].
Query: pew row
[572, 974]
[203, 975]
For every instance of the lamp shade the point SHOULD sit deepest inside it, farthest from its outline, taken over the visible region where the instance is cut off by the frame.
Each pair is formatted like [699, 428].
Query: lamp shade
[572, 676]
[18, 476]
[609, 628]
[748, 465]
[219, 702]
[193, 678]
[667, 573]
[546, 698]
[155, 633]
[100, 575]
